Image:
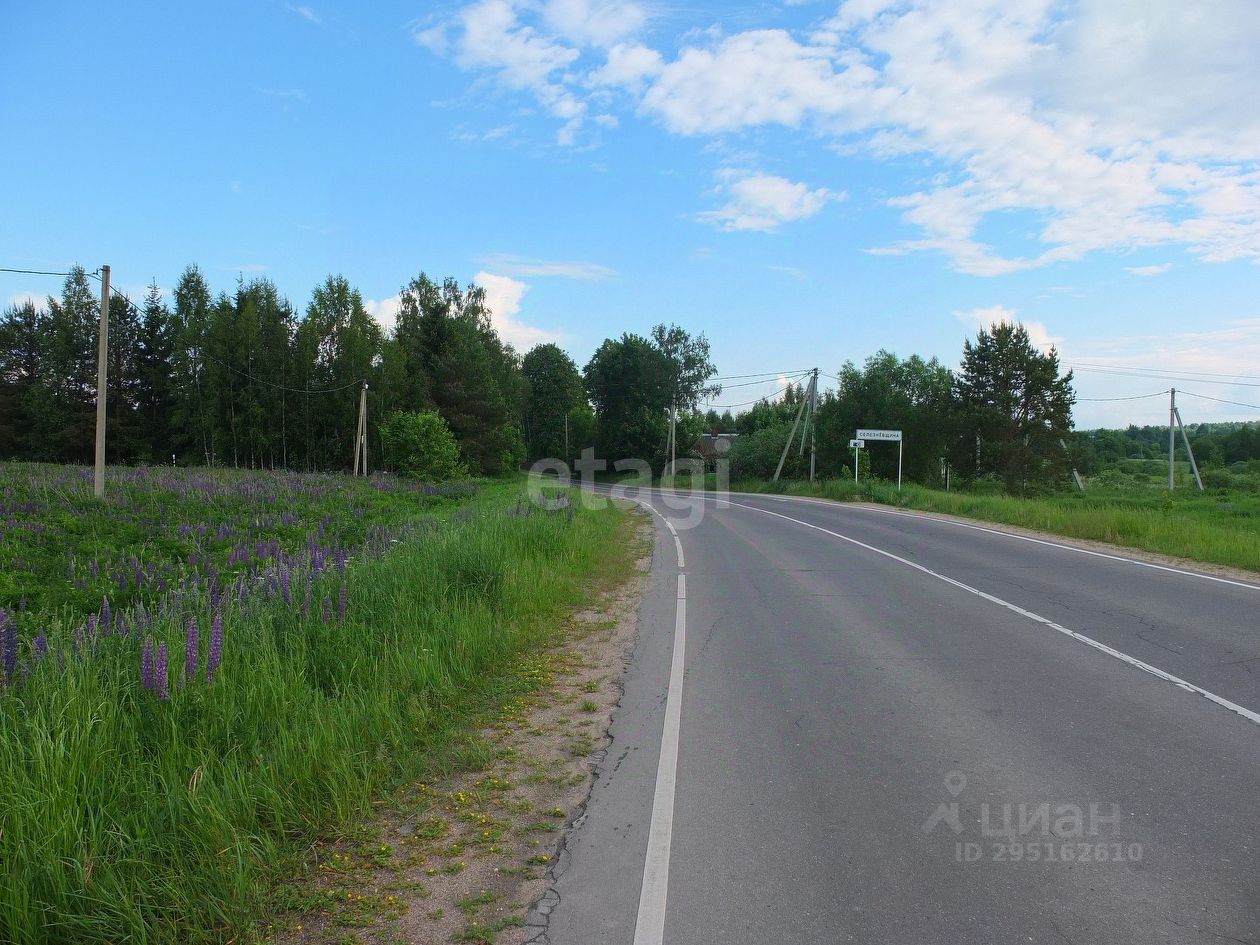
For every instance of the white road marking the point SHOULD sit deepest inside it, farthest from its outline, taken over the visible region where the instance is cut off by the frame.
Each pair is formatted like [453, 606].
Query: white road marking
[1036, 541]
[1079, 637]
[980, 528]
[649, 928]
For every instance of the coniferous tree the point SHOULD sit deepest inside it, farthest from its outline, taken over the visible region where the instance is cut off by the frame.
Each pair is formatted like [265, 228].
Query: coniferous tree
[190, 423]
[155, 379]
[1016, 410]
[21, 328]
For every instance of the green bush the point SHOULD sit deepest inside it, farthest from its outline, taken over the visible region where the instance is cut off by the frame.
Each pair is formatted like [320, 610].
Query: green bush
[420, 445]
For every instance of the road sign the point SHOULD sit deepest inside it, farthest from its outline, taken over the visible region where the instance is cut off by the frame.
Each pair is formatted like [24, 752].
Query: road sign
[888, 436]
[885, 436]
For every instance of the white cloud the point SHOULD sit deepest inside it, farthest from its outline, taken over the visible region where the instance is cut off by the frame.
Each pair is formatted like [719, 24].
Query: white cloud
[763, 203]
[503, 298]
[629, 66]
[594, 22]
[1203, 364]
[305, 13]
[489, 35]
[993, 315]
[524, 266]
[1156, 270]
[19, 299]
[1110, 124]
[384, 311]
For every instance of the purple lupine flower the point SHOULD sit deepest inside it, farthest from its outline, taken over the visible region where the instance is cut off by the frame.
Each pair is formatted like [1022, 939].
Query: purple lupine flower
[106, 614]
[192, 649]
[160, 675]
[216, 645]
[147, 679]
[286, 589]
[327, 610]
[39, 647]
[8, 644]
[93, 625]
[306, 601]
[342, 603]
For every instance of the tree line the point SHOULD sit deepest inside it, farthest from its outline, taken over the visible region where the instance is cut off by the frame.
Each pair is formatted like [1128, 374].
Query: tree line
[244, 379]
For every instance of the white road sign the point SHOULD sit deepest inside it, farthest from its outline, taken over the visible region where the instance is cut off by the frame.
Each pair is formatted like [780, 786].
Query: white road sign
[856, 445]
[890, 436]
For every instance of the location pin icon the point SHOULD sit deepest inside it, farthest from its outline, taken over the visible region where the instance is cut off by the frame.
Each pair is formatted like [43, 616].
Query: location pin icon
[955, 781]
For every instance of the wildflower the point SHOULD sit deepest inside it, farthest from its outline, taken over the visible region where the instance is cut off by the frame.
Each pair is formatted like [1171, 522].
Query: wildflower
[192, 647]
[160, 681]
[327, 610]
[8, 644]
[39, 647]
[216, 645]
[286, 589]
[342, 602]
[146, 664]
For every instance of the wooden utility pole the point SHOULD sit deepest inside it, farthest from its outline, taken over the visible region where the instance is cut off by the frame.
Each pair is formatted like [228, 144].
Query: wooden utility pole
[102, 375]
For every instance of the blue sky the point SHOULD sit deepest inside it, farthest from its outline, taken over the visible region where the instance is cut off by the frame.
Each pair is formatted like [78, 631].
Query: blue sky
[805, 182]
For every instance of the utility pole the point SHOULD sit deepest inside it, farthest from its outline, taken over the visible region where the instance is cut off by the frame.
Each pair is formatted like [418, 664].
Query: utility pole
[566, 437]
[360, 433]
[791, 435]
[1172, 438]
[813, 425]
[673, 437]
[1189, 452]
[102, 369]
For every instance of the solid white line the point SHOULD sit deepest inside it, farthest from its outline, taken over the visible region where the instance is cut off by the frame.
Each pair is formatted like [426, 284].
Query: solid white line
[1079, 637]
[1036, 541]
[829, 503]
[649, 927]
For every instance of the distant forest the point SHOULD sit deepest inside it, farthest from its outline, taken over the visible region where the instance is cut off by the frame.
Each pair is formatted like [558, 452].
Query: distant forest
[246, 379]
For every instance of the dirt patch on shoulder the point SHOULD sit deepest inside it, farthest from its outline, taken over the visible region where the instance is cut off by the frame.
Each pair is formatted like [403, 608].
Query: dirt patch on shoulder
[464, 858]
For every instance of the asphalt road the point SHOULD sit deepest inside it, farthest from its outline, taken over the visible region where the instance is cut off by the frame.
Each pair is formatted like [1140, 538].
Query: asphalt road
[886, 728]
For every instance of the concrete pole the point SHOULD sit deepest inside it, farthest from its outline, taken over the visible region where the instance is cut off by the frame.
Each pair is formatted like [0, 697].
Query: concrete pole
[363, 425]
[102, 376]
[1189, 452]
[813, 409]
[1172, 439]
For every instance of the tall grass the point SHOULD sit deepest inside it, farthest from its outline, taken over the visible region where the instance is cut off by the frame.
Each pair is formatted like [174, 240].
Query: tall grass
[130, 818]
[1187, 525]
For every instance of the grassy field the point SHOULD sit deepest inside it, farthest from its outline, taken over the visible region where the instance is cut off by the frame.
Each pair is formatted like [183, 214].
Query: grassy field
[1188, 524]
[221, 667]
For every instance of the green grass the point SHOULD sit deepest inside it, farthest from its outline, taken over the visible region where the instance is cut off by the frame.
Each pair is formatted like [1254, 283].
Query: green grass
[1188, 524]
[130, 818]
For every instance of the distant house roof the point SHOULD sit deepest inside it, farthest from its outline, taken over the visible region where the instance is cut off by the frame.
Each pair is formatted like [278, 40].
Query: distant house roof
[714, 444]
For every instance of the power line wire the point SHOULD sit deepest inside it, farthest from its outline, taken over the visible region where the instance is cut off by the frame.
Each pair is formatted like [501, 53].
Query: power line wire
[1125, 367]
[35, 272]
[1099, 400]
[1236, 403]
[747, 403]
[1165, 376]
